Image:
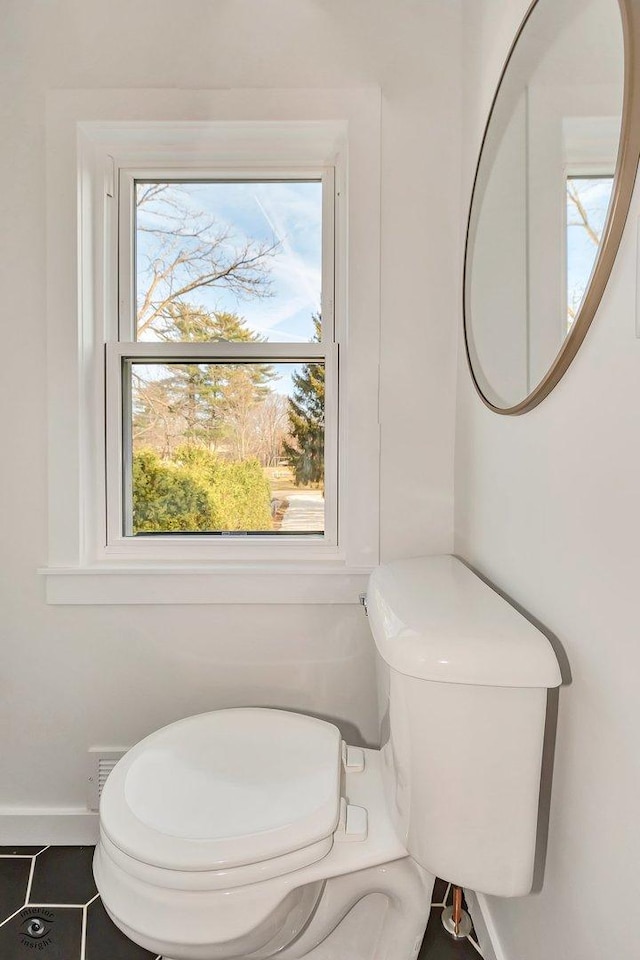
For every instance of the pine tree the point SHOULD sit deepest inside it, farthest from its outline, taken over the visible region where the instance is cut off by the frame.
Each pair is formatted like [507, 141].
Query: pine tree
[201, 403]
[306, 421]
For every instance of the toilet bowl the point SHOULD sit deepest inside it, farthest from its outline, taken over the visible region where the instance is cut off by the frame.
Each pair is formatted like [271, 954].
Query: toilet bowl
[256, 832]
[251, 832]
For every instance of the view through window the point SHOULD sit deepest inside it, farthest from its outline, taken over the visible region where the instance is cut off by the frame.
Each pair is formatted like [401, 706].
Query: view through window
[232, 442]
[587, 206]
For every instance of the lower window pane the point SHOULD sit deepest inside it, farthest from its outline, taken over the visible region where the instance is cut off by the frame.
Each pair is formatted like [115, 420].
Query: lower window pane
[225, 448]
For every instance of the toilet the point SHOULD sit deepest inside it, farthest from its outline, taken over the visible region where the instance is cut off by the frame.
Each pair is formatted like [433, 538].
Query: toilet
[255, 832]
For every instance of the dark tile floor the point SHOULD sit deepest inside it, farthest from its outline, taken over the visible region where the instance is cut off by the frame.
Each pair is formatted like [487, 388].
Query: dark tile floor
[49, 907]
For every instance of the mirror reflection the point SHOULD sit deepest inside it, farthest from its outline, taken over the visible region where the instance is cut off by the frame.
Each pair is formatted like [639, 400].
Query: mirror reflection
[543, 192]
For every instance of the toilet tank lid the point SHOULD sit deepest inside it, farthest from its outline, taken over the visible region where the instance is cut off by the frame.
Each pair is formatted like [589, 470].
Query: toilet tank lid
[433, 618]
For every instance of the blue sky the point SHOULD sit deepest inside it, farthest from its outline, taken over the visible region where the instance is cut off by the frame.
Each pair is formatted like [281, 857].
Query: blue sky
[289, 213]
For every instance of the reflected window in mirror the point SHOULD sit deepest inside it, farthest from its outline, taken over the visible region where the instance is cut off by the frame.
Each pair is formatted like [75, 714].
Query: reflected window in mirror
[588, 198]
[547, 212]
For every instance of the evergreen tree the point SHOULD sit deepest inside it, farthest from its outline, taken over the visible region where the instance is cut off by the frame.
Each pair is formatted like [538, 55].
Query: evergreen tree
[187, 323]
[202, 403]
[305, 452]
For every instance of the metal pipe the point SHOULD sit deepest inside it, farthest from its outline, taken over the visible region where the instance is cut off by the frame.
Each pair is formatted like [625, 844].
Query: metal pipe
[457, 909]
[455, 920]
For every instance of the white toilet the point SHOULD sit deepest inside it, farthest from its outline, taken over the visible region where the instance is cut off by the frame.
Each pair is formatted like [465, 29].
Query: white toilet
[252, 833]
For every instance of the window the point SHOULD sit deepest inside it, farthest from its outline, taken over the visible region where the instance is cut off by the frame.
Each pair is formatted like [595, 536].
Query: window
[213, 269]
[222, 390]
[588, 199]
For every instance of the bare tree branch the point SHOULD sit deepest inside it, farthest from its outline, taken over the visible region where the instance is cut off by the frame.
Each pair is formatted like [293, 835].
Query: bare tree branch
[193, 252]
[574, 197]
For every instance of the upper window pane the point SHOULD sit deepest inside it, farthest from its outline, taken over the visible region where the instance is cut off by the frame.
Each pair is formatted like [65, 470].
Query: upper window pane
[249, 250]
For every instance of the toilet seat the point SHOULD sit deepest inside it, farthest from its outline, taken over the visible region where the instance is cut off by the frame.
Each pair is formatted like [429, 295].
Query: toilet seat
[261, 908]
[244, 794]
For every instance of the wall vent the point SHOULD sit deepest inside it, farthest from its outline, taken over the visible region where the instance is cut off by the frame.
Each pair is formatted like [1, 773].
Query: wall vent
[101, 762]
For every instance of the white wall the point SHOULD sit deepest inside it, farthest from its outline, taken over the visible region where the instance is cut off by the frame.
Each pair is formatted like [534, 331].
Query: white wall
[75, 676]
[547, 508]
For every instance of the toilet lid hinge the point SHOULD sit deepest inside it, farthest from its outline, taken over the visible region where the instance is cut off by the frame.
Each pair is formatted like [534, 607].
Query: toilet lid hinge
[353, 825]
[352, 758]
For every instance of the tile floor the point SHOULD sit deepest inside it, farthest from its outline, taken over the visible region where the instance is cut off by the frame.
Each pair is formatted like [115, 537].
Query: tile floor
[49, 907]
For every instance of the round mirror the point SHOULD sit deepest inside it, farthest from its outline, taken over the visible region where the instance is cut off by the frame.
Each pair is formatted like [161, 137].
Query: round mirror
[551, 194]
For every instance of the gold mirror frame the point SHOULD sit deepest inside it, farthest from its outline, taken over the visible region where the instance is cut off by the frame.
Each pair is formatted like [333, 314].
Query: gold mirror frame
[624, 180]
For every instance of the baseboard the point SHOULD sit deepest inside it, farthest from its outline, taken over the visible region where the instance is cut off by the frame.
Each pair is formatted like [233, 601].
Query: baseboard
[484, 925]
[48, 825]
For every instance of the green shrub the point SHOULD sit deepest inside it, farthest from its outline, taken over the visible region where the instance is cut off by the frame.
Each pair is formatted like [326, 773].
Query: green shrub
[165, 497]
[245, 496]
[196, 490]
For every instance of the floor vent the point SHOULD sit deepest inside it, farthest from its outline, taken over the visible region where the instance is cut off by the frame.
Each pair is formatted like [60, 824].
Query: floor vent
[101, 763]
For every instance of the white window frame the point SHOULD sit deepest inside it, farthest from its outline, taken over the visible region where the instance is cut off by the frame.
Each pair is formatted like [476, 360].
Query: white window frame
[91, 136]
[122, 346]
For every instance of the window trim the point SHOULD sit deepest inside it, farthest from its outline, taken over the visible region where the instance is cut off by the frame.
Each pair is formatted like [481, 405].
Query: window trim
[305, 128]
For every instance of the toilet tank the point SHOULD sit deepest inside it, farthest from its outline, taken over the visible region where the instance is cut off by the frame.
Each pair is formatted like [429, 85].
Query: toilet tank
[462, 685]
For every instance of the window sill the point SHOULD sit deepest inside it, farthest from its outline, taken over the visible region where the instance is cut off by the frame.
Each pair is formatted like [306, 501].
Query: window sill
[241, 584]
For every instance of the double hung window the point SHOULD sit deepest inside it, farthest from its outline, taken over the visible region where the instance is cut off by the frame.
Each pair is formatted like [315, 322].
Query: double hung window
[221, 378]
[213, 309]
